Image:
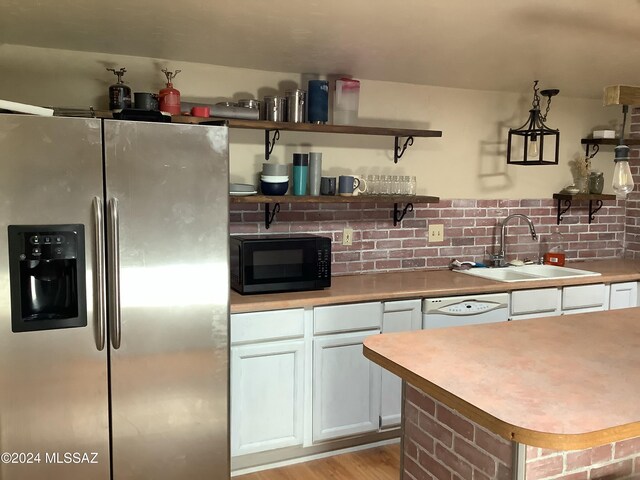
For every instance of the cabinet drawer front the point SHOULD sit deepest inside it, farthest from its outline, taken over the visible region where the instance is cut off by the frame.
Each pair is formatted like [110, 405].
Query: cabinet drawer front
[623, 295]
[347, 318]
[582, 296]
[263, 326]
[534, 301]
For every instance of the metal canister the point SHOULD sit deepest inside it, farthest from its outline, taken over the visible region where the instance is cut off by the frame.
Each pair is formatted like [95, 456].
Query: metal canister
[274, 109]
[249, 103]
[296, 105]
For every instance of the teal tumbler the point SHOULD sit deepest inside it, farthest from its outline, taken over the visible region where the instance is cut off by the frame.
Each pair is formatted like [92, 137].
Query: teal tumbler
[300, 173]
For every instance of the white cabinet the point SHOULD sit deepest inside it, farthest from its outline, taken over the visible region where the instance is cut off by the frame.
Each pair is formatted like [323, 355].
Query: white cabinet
[346, 396]
[267, 380]
[267, 396]
[533, 303]
[584, 298]
[346, 386]
[400, 316]
[623, 295]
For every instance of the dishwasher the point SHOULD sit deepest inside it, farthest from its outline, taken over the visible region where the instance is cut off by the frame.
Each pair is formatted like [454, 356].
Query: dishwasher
[465, 310]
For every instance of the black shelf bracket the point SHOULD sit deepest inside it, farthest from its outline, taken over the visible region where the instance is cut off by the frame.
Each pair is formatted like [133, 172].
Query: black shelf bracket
[593, 211]
[399, 215]
[269, 143]
[562, 211]
[596, 149]
[269, 215]
[399, 151]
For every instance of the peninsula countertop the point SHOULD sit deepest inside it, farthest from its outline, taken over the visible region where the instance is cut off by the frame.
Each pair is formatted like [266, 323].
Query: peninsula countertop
[423, 283]
[563, 383]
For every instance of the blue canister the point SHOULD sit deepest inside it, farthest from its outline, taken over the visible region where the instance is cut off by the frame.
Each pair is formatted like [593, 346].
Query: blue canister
[300, 173]
[318, 101]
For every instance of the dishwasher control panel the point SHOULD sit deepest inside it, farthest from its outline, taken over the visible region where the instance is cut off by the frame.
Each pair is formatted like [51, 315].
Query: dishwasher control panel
[465, 310]
[469, 308]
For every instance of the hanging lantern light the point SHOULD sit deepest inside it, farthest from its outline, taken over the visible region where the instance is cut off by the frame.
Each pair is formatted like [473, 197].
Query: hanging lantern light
[536, 137]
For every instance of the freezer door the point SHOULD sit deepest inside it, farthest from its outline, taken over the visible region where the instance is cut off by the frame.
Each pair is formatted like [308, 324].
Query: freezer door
[53, 378]
[167, 194]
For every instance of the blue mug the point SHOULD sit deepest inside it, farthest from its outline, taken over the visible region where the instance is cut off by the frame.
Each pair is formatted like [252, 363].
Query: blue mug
[347, 184]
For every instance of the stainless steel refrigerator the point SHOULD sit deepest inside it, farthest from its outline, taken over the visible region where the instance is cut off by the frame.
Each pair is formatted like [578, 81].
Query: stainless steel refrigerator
[113, 300]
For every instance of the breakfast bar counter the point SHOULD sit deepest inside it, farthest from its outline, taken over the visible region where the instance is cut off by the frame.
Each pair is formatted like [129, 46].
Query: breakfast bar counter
[518, 398]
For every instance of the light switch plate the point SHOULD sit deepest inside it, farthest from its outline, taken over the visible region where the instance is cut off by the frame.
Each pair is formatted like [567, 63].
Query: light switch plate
[436, 233]
[347, 236]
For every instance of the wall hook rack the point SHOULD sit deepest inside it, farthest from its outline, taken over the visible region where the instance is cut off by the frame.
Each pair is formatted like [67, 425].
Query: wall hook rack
[399, 215]
[399, 151]
[269, 144]
[269, 216]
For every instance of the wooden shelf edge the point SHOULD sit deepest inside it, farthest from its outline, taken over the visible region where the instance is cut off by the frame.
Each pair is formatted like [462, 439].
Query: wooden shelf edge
[609, 141]
[334, 199]
[310, 127]
[583, 196]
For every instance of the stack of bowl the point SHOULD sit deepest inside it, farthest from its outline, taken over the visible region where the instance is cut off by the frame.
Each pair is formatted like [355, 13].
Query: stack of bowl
[274, 179]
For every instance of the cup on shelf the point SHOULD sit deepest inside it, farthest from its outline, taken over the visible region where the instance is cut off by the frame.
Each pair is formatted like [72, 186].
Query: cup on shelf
[347, 184]
[362, 185]
[328, 186]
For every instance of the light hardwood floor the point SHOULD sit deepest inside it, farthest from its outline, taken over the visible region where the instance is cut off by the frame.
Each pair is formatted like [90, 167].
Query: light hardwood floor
[380, 463]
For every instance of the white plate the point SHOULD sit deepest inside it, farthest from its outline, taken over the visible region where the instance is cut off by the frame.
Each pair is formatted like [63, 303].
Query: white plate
[242, 194]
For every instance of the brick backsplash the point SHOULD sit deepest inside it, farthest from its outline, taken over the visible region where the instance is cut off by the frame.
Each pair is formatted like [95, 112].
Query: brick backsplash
[470, 231]
[632, 224]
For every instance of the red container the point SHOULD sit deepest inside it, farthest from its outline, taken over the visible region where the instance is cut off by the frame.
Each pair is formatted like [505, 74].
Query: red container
[169, 97]
[554, 258]
[200, 111]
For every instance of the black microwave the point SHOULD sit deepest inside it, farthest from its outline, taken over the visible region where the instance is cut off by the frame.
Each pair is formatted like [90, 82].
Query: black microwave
[279, 263]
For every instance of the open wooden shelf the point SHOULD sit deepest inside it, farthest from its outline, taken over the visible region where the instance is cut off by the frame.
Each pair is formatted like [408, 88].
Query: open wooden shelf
[610, 141]
[334, 199]
[276, 200]
[309, 127]
[567, 198]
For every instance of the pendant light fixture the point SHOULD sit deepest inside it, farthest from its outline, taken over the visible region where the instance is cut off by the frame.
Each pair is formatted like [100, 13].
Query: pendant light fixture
[622, 179]
[624, 95]
[534, 147]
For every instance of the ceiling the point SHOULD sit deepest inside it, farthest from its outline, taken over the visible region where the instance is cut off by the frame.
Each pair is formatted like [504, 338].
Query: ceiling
[578, 46]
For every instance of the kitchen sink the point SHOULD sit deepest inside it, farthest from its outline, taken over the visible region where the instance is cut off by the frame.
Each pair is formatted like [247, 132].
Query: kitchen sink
[527, 273]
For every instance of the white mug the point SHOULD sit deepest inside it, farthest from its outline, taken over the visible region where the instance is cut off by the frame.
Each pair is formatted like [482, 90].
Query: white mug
[361, 187]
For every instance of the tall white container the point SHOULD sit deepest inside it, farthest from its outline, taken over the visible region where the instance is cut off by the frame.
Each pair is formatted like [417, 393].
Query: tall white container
[345, 101]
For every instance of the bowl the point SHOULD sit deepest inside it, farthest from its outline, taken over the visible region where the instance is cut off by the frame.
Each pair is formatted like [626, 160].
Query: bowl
[274, 178]
[274, 188]
[274, 169]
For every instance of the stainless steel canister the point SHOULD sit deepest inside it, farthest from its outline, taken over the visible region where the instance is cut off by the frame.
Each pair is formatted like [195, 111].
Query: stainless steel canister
[296, 105]
[274, 109]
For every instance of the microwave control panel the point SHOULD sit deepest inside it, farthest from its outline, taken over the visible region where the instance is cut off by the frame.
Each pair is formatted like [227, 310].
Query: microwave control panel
[324, 262]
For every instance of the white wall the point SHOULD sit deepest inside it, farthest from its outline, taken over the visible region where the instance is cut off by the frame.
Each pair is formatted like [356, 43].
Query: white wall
[469, 161]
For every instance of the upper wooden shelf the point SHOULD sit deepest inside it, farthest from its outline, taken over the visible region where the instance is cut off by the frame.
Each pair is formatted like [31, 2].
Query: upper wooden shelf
[583, 196]
[310, 127]
[609, 141]
[334, 199]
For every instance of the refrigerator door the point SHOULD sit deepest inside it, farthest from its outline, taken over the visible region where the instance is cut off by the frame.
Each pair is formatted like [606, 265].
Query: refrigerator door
[53, 378]
[167, 195]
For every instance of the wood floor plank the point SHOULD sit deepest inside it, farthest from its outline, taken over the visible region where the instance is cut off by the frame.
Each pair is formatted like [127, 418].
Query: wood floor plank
[380, 463]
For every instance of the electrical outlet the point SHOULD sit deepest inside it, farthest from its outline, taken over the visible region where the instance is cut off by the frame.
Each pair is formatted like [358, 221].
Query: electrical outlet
[436, 233]
[347, 236]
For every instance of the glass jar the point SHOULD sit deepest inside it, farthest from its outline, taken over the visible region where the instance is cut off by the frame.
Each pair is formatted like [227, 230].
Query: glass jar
[596, 182]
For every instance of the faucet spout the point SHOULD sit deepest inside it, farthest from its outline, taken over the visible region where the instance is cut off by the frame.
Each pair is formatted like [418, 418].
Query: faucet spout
[499, 258]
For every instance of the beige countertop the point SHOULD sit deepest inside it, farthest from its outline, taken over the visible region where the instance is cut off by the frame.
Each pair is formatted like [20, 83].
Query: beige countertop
[423, 283]
[566, 382]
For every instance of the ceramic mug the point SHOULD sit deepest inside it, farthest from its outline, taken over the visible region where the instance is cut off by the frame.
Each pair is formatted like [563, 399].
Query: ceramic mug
[347, 184]
[362, 186]
[328, 186]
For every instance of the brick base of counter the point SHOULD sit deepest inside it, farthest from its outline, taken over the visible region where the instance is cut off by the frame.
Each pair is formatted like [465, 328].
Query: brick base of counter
[441, 444]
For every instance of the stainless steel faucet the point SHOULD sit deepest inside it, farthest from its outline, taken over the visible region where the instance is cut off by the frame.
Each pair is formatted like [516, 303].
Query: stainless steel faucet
[498, 259]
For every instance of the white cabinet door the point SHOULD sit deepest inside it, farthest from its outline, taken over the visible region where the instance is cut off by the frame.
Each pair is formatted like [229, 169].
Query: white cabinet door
[401, 316]
[623, 295]
[346, 387]
[266, 396]
[584, 298]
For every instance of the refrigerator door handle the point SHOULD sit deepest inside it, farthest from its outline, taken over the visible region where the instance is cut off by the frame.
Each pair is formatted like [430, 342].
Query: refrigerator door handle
[115, 326]
[101, 302]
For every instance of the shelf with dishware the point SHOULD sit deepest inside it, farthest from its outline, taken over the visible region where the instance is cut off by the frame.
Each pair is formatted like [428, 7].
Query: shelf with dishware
[276, 200]
[595, 143]
[272, 131]
[568, 199]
